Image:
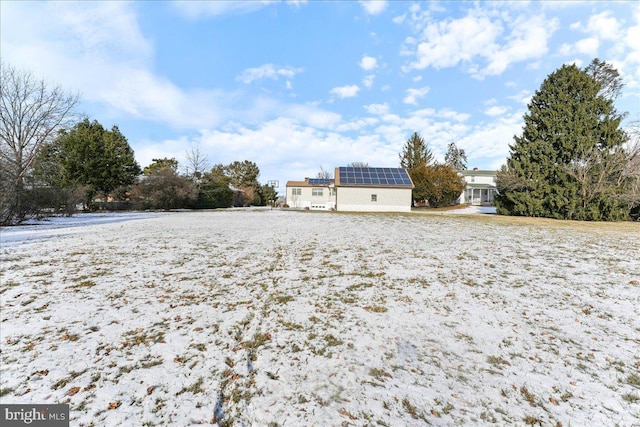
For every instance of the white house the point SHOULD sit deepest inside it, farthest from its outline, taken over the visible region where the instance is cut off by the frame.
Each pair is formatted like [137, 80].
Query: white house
[312, 193]
[354, 190]
[373, 189]
[481, 187]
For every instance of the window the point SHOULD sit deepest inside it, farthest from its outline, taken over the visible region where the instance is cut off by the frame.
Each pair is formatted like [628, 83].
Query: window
[316, 192]
[296, 191]
[473, 179]
[374, 197]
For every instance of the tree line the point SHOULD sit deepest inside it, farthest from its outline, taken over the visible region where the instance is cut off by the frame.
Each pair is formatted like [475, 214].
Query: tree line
[572, 161]
[50, 162]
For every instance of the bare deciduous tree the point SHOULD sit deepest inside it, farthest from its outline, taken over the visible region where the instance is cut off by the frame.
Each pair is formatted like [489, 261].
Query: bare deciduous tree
[324, 174]
[614, 174]
[197, 163]
[30, 114]
[358, 165]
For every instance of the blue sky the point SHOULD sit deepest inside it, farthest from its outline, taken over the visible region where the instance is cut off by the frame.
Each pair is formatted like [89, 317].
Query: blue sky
[295, 86]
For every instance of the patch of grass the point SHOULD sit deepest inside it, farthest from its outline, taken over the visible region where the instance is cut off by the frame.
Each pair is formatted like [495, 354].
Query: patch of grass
[348, 298]
[628, 397]
[332, 341]
[633, 379]
[376, 308]
[193, 388]
[412, 410]
[379, 374]
[497, 361]
[152, 362]
[83, 284]
[529, 397]
[5, 391]
[140, 336]
[283, 299]
[292, 326]
[198, 346]
[259, 339]
[531, 420]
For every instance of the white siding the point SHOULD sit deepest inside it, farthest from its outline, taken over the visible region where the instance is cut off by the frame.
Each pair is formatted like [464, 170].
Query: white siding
[358, 199]
[481, 179]
[306, 200]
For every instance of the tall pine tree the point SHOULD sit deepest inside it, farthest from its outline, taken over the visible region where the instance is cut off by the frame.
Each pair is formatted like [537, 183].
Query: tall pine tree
[415, 152]
[571, 123]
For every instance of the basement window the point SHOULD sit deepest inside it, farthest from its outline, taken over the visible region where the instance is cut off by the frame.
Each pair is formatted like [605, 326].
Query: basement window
[374, 197]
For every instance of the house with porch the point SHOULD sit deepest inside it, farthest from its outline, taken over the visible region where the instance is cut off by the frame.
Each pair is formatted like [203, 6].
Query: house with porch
[481, 187]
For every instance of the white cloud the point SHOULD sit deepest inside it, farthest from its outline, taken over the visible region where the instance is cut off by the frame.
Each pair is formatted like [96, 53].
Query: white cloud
[528, 40]
[446, 43]
[495, 110]
[604, 26]
[196, 9]
[477, 38]
[399, 19]
[523, 97]
[368, 63]
[345, 91]
[373, 7]
[588, 46]
[414, 94]
[98, 49]
[491, 140]
[377, 109]
[267, 71]
[368, 80]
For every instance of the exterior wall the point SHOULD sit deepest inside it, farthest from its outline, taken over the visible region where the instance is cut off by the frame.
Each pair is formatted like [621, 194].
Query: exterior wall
[358, 199]
[306, 200]
[481, 179]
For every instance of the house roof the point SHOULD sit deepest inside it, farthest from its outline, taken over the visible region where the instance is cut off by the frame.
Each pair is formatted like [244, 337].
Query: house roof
[372, 177]
[311, 182]
[479, 173]
[479, 185]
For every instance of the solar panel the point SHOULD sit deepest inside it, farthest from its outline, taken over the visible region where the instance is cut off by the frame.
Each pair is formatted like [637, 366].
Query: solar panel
[320, 181]
[374, 176]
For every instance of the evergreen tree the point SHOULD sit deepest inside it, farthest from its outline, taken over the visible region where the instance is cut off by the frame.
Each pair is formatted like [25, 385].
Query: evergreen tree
[415, 153]
[455, 157]
[92, 156]
[214, 191]
[571, 121]
[159, 164]
[244, 175]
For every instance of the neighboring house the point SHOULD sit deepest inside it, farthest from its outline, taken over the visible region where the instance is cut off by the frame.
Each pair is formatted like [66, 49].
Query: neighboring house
[238, 196]
[312, 193]
[354, 190]
[481, 187]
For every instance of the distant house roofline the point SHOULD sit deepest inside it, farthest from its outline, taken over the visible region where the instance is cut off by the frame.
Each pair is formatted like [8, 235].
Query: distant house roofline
[478, 172]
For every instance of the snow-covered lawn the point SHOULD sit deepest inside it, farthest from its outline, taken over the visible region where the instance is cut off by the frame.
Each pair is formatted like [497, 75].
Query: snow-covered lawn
[327, 319]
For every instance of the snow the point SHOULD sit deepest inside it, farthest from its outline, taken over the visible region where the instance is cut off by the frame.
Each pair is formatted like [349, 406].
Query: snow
[470, 210]
[308, 318]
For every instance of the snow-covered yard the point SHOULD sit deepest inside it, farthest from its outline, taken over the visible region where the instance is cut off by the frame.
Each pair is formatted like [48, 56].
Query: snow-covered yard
[327, 319]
